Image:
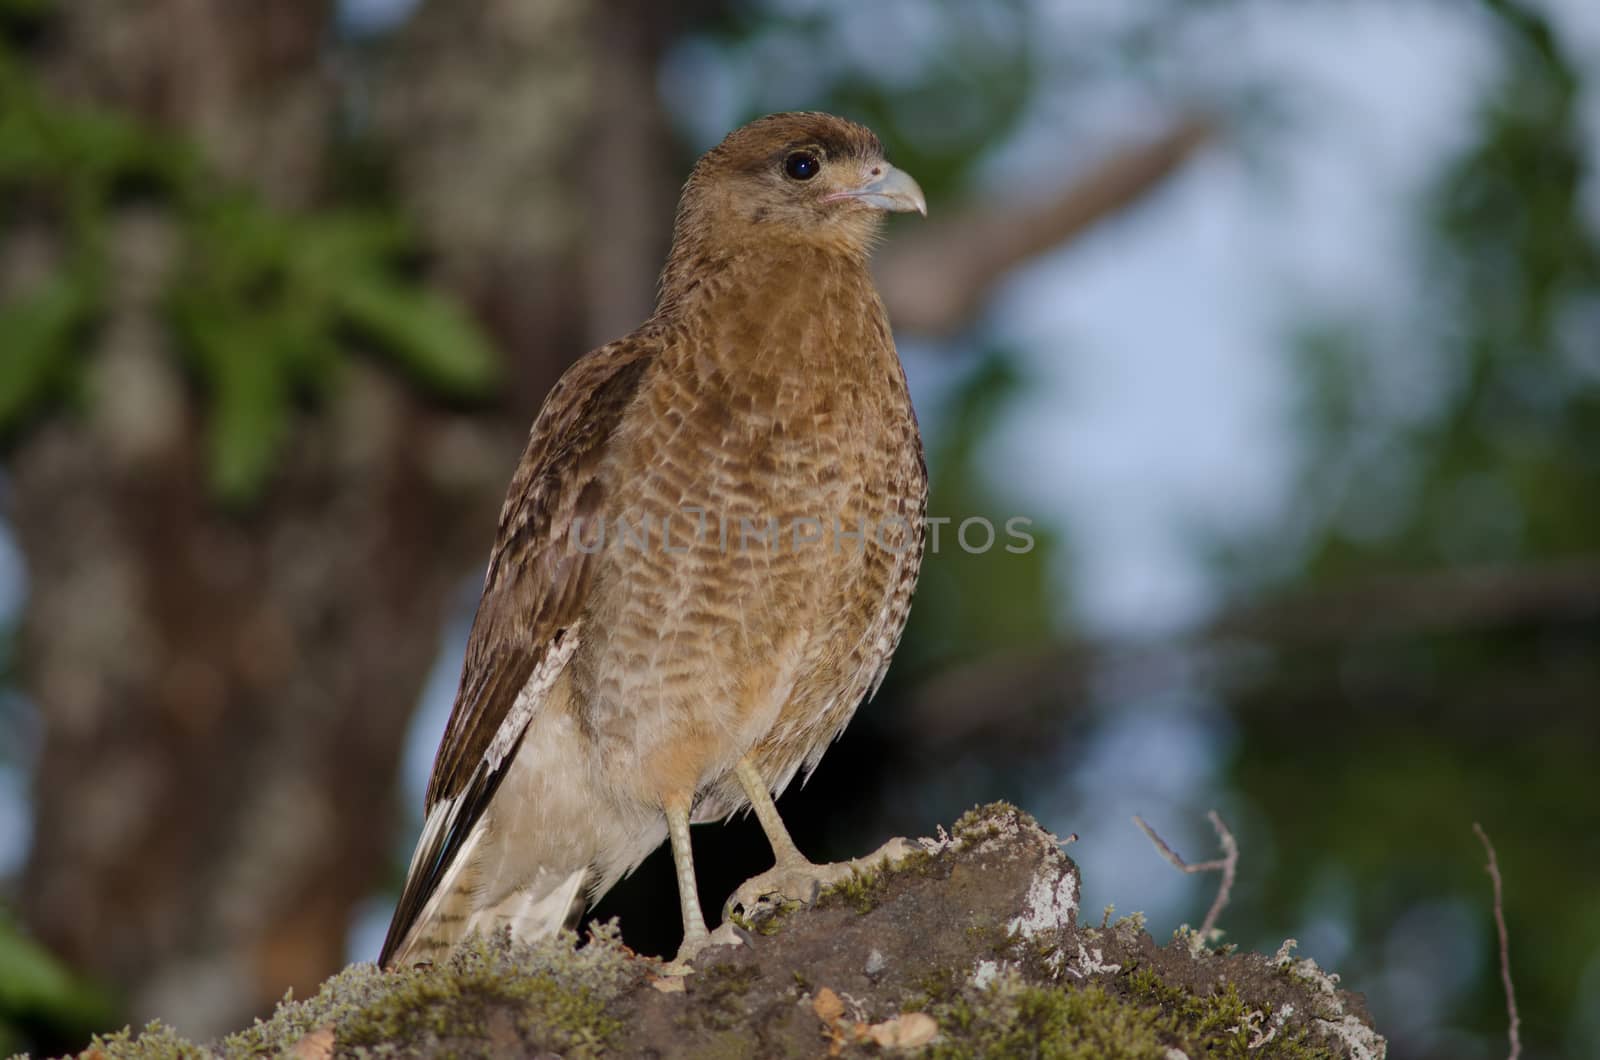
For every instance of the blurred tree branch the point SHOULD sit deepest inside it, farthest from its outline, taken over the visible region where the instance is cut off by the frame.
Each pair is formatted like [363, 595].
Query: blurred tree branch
[1031, 694]
[1449, 601]
[935, 277]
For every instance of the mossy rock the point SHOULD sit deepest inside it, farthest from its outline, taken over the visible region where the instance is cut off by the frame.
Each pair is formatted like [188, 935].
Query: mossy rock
[970, 947]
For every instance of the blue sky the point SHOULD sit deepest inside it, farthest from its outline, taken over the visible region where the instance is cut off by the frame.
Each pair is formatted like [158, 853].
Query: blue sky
[1158, 340]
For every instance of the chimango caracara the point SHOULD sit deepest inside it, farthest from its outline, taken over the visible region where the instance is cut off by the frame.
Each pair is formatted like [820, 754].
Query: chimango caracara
[704, 562]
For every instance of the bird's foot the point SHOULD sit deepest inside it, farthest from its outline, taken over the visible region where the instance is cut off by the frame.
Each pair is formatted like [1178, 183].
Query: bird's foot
[797, 880]
[691, 947]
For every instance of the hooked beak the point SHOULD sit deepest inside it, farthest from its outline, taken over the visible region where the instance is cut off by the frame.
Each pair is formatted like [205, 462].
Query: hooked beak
[887, 188]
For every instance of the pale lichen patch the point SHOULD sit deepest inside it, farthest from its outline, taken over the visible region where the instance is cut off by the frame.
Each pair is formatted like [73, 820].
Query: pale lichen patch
[1050, 905]
[1093, 962]
[1305, 969]
[1362, 1041]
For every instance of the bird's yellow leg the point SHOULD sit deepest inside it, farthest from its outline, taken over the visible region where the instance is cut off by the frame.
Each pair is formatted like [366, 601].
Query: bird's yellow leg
[793, 876]
[783, 849]
[695, 934]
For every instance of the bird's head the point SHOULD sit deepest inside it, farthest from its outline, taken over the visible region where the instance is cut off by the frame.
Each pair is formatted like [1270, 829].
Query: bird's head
[804, 177]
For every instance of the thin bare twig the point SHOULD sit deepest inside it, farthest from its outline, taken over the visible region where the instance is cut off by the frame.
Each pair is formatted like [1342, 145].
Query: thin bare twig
[1228, 865]
[1493, 868]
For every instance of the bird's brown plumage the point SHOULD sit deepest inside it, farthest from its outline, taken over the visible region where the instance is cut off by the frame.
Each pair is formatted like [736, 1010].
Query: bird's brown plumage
[706, 555]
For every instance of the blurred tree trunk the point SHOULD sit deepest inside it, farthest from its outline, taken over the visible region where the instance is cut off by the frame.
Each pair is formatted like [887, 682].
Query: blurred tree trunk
[224, 695]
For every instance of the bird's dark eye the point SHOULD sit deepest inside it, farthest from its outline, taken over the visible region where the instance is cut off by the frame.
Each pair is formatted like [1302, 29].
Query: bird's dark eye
[802, 165]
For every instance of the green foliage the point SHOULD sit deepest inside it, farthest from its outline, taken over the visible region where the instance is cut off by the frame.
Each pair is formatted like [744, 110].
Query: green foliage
[24, 10]
[39, 334]
[975, 604]
[1472, 443]
[1494, 459]
[37, 991]
[267, 304]
[960, 91]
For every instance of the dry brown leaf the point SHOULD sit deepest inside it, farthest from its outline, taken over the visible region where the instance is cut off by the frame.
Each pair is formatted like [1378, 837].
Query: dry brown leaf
[318, 1045]
[827, 1005]
[906, 1031]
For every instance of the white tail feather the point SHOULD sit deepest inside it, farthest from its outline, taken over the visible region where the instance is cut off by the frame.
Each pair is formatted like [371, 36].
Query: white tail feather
[534, 911]
[425, 925]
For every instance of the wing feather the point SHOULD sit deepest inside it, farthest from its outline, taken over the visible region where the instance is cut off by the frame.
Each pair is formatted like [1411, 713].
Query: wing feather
[533, 597]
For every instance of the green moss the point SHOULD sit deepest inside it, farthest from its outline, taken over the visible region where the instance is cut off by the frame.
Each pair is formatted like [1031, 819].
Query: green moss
[458, 1006]
[984, 822]
[1130, 926]
[493, 997]
[1224, 1024]
[156, 1042]
[728, 1045]
[1088, 1023]
[865, 888]
[1144, 982]
[935, 987]
[721, 990]
[1132, 1015]
[861, 891]
[766, 919]
[555, 998]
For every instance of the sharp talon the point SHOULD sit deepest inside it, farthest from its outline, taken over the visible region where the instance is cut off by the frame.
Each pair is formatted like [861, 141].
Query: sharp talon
[729, 934]
[762, 895]
[743, 936]
[691, 948]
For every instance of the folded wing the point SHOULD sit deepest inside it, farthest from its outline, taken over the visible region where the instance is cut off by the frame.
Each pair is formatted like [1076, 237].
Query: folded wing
[525, 628]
